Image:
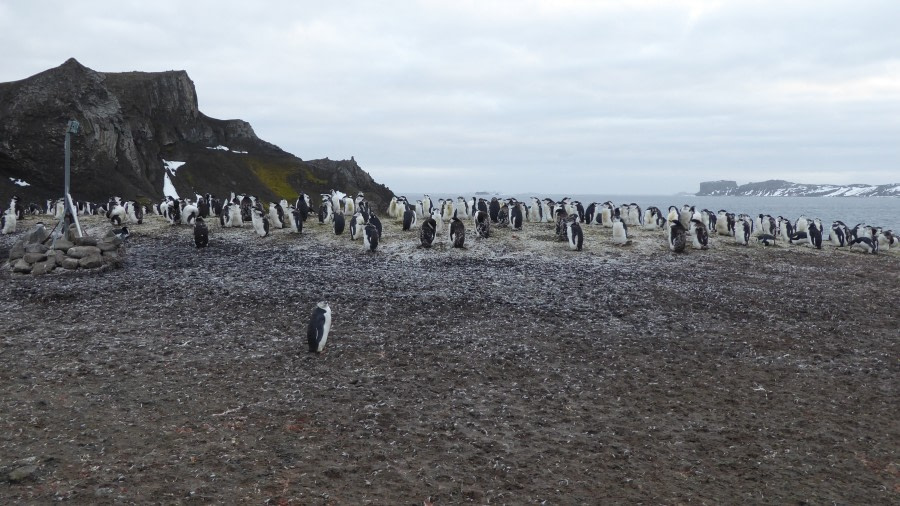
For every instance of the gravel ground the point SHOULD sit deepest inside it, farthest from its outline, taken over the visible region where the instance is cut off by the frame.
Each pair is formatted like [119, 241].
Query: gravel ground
[511, 372]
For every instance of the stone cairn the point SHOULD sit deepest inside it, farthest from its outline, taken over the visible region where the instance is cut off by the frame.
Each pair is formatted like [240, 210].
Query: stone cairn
[34, 253]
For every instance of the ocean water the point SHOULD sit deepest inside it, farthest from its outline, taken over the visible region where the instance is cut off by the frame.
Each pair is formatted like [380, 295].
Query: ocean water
[878, 211]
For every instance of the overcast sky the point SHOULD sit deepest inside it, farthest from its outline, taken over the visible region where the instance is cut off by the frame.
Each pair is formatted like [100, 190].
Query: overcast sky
[557, 96]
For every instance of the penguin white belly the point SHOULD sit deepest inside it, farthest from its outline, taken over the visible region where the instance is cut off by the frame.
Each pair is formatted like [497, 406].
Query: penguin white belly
[326, 328]
[619, 236]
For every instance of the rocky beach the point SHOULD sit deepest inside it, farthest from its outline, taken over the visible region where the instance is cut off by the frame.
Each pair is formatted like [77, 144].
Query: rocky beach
[513, 371]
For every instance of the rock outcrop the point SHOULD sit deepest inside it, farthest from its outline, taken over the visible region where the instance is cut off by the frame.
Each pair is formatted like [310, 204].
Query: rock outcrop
[131, 122]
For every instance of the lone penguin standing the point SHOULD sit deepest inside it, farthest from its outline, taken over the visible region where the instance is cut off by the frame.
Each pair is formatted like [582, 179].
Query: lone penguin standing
[319, 325]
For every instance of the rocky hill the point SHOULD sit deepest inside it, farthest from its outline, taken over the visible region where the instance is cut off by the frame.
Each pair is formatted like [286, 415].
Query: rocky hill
[780, 188]
[132, 123]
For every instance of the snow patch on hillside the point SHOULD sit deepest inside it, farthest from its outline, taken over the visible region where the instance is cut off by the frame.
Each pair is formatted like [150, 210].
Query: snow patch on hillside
[169, 188]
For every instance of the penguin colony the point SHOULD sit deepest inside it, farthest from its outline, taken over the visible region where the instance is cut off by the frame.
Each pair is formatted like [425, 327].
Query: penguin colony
[682, 227]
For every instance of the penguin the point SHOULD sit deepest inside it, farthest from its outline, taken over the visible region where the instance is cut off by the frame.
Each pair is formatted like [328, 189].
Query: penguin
[685, 215]
[634, 215]
[133, 212]
[461, 208]
[303, 206]
[766, 239]
[649, 218]
[225, 216]
[561, 223]
[494, 210]
[427, 232]
[201, 233]
[723, 223]
[409, 219]
[338, 224]
[260, 223]
[392, 207]
[189, 213]
[574, 233]
[276, 215]
[8, 222]
[482, 224]
[798, 237]
[865, 244]
[247, 204]
[547, 210]
[374, 221]
[447, 210]
[579, 210]
[534, 212]
[814, 234]
[203, 207]
[426, 206]
[677, 233]
[742, 230]
[503, 215]
[619, 232]
[349, 206]
[335, 202]
[357, 223]
[319, 326]
[236, 217]
[887, 239]
[457, 232]
[802, 224]
[116, 214]
[590, 213]
[17, 207]
[296, 221]
[838, 235]
[854, 232]
[699, 235]
[122, 233]
[370, 237]
[438, 221]
[785, 228]
[515, 217]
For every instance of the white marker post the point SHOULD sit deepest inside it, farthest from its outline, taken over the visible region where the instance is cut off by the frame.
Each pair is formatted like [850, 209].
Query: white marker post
[70, 211]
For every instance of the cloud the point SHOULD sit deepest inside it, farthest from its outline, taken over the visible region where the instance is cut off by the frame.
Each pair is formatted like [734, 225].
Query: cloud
[640, 96]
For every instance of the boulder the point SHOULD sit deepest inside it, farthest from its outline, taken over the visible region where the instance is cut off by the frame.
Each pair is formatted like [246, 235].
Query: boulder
[34, 257]
[91, 261]
[60, 256]
[22, 266]
[41, 268]
[83, 251]
[70, 263]
[63, 244]
[71, 233]
[20, 474]
[85, 241]
[35, 247]
[36, 234]
[18, 250]
[107, 245]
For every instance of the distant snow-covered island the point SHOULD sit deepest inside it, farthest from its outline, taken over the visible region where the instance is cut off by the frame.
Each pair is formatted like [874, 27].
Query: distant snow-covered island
[780, 188]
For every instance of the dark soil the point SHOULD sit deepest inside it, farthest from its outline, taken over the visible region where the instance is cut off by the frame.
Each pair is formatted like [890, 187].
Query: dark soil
[513, 372]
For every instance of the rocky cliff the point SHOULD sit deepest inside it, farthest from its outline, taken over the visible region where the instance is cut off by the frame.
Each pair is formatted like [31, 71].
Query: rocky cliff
[131, 124]
[780, 188]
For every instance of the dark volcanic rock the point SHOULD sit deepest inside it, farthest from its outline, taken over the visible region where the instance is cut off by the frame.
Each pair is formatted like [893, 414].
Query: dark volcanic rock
[130, 123]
